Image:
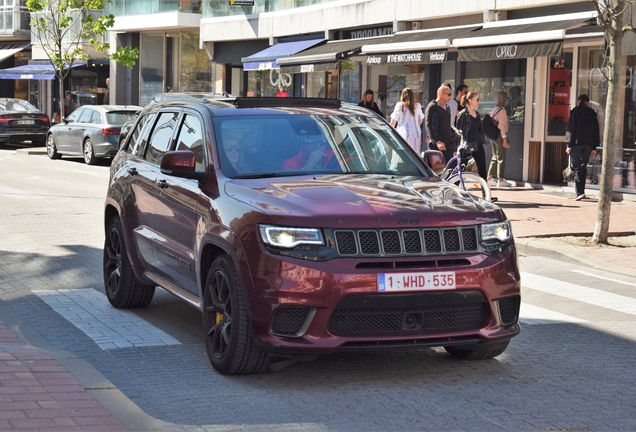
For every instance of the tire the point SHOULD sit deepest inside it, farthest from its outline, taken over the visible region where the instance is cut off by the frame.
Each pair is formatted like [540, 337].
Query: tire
[89, 152]
[51, 148]
[473, 184]
[477, 352]
[228, 336]
[122, 287]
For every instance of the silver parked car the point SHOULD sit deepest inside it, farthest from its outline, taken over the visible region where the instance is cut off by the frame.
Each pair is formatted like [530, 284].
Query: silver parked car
[91, 131]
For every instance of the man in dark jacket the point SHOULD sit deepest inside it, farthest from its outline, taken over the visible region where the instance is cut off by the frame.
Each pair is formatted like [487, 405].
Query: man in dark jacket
[437, 120]
[581, 139]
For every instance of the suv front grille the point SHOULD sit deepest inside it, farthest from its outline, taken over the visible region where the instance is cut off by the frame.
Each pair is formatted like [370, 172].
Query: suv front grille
[409, 314]
[404, 242]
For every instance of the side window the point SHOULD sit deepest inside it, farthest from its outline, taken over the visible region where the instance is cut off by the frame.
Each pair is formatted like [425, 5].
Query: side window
[75, 115]
[96, 118]
[161, 137]
[191, 138]
[86, 116]
[139, 135]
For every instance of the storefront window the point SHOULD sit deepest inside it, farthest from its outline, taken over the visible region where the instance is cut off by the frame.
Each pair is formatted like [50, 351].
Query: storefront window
[267, 83]
[399, 77]
[592, 80]
[350, 76]
[560, 85]
[196, 69]
[489, 77]
[151, 63]
[315, 84]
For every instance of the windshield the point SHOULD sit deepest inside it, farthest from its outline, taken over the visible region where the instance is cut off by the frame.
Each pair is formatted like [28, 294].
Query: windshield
[120, 117]
[16, 105]
[286, 145]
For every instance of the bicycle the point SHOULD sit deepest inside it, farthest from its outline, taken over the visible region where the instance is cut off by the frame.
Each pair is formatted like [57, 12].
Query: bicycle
[455, 172]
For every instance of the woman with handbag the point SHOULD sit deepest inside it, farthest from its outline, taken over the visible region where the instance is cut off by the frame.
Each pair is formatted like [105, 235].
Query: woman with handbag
[500, 144]
[469, 124]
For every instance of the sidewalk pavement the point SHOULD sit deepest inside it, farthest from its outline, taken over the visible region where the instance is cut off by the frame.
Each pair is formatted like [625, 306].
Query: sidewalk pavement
[540, 213]
[42, 389]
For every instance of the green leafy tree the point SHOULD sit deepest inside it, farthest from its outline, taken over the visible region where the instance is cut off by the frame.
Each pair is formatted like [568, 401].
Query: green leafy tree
[610, 17]
[67, 28]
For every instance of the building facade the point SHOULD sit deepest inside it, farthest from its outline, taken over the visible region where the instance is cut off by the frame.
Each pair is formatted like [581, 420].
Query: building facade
[543, 53]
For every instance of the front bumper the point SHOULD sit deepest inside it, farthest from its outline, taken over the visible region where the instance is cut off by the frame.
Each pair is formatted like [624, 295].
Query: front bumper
[299, 306]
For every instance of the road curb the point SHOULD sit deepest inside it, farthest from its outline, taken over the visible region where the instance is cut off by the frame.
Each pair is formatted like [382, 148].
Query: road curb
[30, 151]
[564, 253]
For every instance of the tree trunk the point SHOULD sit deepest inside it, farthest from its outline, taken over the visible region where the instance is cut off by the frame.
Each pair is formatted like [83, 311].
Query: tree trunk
[60, 78]
[609, 139]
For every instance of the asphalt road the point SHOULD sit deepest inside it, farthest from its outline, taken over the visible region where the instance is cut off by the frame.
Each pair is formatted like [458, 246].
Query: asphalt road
[572, 367]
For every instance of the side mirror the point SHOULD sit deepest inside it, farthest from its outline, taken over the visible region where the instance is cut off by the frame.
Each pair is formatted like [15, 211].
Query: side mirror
[64, 120]
[181, 163]
[435, 160]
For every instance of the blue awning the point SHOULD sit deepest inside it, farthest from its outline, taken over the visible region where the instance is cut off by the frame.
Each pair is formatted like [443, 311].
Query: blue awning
[266, 59]
[32, 71]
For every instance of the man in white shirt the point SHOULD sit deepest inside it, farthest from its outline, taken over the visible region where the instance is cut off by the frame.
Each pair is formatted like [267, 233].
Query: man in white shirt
[455, 104]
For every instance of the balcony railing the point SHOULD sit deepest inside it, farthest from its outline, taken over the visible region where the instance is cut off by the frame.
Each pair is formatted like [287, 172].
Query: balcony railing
[219, 8]
[147, 7]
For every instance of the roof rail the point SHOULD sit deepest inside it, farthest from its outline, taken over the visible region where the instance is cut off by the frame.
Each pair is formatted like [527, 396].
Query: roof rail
[274, 102]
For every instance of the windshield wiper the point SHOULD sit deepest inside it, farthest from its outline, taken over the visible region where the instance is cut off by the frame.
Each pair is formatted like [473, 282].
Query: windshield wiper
[268, 175]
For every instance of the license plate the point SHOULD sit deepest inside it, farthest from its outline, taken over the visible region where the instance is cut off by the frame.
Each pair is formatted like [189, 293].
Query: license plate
[25, 122]
[416, 281]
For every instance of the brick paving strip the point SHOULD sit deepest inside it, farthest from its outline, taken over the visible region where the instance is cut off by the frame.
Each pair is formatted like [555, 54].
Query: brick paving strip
[38, 394]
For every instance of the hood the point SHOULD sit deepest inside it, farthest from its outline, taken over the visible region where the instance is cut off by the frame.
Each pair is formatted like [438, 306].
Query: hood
[363, 201]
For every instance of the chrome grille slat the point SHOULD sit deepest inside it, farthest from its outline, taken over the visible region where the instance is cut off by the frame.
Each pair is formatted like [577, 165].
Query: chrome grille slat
[407, 241]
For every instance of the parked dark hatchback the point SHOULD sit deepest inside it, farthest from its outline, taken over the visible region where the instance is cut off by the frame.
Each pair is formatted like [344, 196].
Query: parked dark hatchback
[21, 121]
[302, 226]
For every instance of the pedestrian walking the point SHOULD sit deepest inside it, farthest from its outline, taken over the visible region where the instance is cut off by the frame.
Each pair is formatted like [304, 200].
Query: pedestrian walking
[469, 123]
[408, 117]
[368, 102]
[500, 145]
[581, 140]
[438, 124]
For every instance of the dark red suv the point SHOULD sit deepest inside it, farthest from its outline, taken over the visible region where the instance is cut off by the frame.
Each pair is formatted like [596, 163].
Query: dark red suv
[302, 226]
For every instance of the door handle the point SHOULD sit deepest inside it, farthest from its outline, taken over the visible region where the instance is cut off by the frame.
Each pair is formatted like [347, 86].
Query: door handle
[162, 184]
[132, 171]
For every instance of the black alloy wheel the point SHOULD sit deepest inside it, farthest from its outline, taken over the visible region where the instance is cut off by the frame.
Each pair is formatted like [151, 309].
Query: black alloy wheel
[122, 287]
[228, 337]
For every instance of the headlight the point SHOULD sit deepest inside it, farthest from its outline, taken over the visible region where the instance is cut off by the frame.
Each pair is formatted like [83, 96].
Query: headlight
[496, 231]
[285, 237]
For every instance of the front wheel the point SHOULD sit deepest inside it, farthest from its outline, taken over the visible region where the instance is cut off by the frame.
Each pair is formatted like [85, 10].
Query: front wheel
[477, 352]
[122, 287]
[228, 336]
[473, 184]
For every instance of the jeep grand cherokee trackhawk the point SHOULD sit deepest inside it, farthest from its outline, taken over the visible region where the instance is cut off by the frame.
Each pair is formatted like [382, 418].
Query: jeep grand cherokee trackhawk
[302, 226]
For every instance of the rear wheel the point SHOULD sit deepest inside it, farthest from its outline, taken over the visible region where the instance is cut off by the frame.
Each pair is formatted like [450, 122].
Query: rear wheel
[477, 352]
[122, 287]
[228, 337]
[473, 184]
[51, 148]
[89, 153]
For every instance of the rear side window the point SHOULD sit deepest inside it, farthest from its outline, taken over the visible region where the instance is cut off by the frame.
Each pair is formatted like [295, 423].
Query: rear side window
[139, 135]
[86, 116]
[120, 117]
[191, 138]
[161, 137]
[96, 118]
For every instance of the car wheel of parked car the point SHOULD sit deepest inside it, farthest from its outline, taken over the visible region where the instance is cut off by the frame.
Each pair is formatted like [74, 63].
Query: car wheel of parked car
[122, 287]
[228, 337]
[477, 352]
[51, 148]
[89, 154]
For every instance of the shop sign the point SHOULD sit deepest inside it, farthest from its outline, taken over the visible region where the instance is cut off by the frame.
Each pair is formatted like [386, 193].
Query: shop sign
[26, 76]
[419, 57]
[511, 51]
[369, 32]
[309, 68]
[266, 65]
[306, 68]
[241, 2]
